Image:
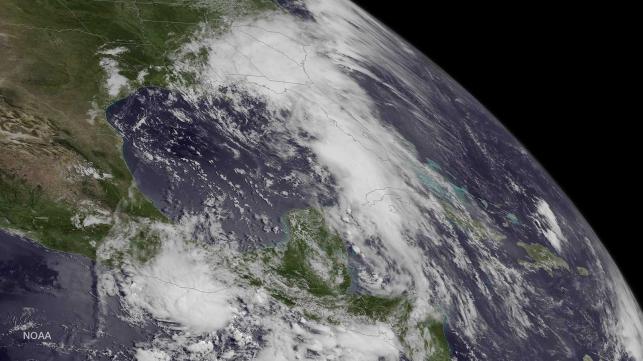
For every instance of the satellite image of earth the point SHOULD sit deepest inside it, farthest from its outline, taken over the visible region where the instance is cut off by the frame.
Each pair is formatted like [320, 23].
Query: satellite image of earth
[275, 180]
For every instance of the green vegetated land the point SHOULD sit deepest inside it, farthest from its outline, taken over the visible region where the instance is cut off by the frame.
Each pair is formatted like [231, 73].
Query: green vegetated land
[314, 259]
[52, 98]
[52, 101]
[543, 258]
[27, 208]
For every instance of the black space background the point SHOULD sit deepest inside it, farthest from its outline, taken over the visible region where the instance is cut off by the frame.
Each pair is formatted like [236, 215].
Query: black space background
[562, 81]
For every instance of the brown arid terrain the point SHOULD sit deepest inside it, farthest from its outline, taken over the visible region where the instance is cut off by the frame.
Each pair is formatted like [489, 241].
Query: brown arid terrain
[60, 160]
